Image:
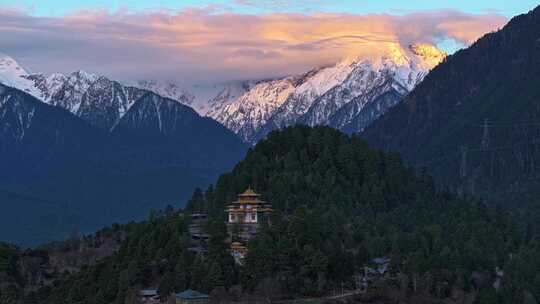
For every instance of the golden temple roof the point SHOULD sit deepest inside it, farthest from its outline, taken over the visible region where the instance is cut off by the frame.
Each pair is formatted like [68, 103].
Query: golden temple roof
[238, 245]
[249, 192]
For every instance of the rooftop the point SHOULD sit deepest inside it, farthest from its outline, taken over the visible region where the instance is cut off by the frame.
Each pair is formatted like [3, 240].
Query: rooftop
[237, 245]
[191, 295]
[249, 192]
[148, 292]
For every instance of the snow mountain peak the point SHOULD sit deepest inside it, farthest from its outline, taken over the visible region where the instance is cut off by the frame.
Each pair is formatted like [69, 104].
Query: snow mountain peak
[355, 90]
[13, 74]
[167, 89]
[429, 53]
[8, 64]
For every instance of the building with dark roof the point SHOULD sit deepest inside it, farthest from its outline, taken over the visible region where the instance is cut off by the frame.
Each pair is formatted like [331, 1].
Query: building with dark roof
[192, 297]
[149, 296]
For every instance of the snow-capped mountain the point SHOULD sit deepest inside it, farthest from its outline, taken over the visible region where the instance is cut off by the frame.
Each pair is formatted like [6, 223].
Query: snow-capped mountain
[167, 89]
[348, 95]
[202, 97]
[13, 75]
[96, 99]
[228, 93]
[246, 113]
[334, 95]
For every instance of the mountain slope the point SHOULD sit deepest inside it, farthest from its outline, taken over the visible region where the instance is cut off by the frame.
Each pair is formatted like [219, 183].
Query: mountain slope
[175, 133]
[401, 70]
[36, 137]
[37, 141]
[14, 75]
[156, 154]
[365, 114]
[325, 95]
[474, 119]
[247, 113]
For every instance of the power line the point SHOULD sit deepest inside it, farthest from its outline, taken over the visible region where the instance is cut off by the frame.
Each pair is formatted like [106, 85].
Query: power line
[502, 124]
[463, 161]
[484, 144]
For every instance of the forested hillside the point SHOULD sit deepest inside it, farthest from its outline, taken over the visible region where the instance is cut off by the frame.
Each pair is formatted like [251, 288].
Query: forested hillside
[474, 120]
[23, 271]
[338, 204]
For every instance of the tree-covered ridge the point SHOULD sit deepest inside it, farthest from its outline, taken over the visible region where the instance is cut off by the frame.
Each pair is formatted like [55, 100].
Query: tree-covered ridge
[338, 204]
[474, 120]
[23, 270]
[155, 254]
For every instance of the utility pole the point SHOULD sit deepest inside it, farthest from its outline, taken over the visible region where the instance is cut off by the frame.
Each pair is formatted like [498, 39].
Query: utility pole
[492, 163]
[463, 162]
[485, 137]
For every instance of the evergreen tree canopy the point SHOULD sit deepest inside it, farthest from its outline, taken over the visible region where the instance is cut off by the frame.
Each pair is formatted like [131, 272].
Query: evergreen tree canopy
[339, 204]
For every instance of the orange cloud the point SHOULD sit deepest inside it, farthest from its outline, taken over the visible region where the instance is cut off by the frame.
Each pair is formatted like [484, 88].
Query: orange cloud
[469, 31]
[197, 45]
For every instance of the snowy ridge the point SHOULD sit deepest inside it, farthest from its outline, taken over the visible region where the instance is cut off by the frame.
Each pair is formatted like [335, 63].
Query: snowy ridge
[249, 111]
[398, 72]
[344, 95]
[13, 75]
[332, 95]
[229, 93]
[311, 86]
[167, 89]
[98, 100]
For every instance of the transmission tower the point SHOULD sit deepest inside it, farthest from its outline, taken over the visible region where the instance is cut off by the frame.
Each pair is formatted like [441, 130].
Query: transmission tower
[485, 137]
[463, 161]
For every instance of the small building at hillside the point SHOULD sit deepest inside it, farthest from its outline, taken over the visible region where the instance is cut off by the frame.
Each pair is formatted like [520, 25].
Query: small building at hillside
[149, 296]
[238, 251]
[199, 239]
[192, 297]
[244, 217]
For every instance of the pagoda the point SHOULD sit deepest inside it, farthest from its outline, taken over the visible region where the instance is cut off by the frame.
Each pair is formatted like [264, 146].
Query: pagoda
[244, 217]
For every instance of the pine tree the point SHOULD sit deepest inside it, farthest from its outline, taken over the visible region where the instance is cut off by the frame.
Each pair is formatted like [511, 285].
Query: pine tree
[167, 285]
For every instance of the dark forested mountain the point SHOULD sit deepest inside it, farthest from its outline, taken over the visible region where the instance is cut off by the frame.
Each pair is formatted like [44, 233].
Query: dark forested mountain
[337, 205]
[82, 175]
[35, 137]
[475, 119]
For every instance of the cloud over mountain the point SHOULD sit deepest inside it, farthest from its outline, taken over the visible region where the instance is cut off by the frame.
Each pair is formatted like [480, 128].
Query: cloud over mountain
[208, 46]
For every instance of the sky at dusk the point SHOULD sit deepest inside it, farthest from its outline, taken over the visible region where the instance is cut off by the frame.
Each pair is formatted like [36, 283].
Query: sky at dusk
[61, 7]
[215, 41]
